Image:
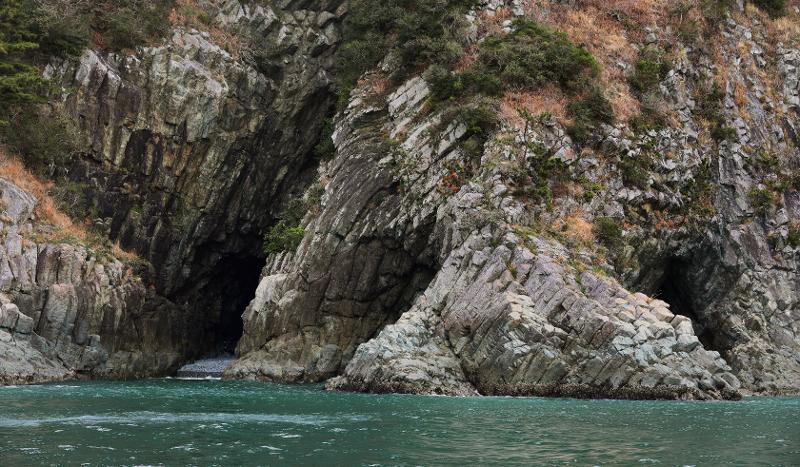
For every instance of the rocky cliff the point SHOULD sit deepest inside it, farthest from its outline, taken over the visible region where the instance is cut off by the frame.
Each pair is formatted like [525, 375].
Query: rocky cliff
[438, 250]
[71, 310]
[499, 295]
[190, 147]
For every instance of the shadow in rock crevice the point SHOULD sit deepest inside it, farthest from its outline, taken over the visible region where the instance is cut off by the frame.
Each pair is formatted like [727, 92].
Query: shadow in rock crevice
[693, 285]
[220, 301]
[675, 287]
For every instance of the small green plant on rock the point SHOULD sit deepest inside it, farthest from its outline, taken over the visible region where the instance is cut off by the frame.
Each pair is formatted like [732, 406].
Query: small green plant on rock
[287, 233]
[650, 69]
[793, 237]
[709, 107]
[635, 171]
[762, 200]
[608, 232]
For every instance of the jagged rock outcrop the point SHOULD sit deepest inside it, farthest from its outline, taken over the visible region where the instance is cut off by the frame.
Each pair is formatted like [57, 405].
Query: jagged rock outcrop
[190, 147]
[497, 317]
[68, 310]
[516, 307]
[662, 263]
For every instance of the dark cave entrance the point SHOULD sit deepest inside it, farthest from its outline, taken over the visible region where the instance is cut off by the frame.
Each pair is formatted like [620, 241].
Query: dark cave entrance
[680, 289]
[689, 290]
[231, 289]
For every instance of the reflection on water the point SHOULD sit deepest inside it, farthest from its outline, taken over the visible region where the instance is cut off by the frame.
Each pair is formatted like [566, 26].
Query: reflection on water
[235, 423]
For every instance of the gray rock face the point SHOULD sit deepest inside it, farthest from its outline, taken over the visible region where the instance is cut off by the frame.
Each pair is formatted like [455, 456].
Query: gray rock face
[423, 268]
[190, 148]
[205, 368]
[66, 310]
[497, 318]
[498, 304]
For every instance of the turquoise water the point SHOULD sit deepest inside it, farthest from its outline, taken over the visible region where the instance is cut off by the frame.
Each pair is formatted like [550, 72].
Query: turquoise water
[172, 422]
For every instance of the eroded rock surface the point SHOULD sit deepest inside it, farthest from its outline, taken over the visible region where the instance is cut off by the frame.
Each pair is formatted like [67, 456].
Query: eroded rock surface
[495, 302]
[191, 147]
[67, 310]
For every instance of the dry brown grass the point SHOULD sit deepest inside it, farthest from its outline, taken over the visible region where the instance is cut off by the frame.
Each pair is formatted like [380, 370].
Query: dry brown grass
[14, 171]
[607, 29]
[576, 228]
[491, 22]
[549, 99]
[465, 61]
[190, 15]
[377, 82]
[46, 210]
[785, 30]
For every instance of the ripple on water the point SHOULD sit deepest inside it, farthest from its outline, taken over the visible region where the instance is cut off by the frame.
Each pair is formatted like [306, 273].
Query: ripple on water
[173, 422]
[133, 418]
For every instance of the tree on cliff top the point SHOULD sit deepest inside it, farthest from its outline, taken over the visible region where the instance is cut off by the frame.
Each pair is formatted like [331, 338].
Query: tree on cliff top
[19, 80]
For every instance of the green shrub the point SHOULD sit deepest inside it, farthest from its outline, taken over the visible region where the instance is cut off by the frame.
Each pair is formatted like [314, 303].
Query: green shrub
[533, 179]
[650, 69]
[762, 200]
[793, 237]
[588, 113]
[608, 232]
[534, 55]
[283, 237]
[479, 116]
[287, 233]
[125, 24]
[709, 107]
[716, 10]
[722, 132]
[773, 8]
[44, 141]
[422, 31]
[20, 81]
[648, 118]
[529, 57]
[63, 26]
[635, 171]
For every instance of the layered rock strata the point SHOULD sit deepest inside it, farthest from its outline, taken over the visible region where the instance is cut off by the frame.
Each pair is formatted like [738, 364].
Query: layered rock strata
[68, 310]
[190, 147]
[494, 302]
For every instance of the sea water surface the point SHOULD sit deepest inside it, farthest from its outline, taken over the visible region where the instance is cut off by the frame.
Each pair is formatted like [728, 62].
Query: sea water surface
[175, 422]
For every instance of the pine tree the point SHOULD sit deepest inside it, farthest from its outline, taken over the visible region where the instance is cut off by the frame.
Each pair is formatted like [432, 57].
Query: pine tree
[19, 80]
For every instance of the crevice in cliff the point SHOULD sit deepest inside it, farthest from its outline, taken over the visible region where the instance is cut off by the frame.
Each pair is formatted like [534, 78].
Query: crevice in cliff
[683, 291]
[227, 293]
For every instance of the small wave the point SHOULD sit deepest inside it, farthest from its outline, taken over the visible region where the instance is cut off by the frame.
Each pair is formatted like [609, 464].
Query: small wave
[197, 378]
[91, 421]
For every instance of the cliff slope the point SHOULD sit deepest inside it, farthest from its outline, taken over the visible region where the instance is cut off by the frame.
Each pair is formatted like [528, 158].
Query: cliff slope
[583, 198]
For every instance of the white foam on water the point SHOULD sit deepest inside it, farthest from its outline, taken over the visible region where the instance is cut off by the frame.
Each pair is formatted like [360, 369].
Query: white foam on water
[198, 378]
[92, 421]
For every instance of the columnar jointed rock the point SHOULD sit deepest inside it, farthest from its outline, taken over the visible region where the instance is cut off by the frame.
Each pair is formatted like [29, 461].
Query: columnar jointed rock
[65, 310]
[511, 309]
[191, 147]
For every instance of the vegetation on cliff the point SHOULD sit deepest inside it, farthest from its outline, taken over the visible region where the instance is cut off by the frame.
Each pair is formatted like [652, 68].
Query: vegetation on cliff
[422, 32]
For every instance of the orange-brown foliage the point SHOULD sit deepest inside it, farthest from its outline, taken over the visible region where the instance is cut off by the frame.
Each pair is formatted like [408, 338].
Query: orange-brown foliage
[607, 29]
[576, 228]
[13, 170]
[549, 99]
